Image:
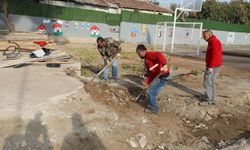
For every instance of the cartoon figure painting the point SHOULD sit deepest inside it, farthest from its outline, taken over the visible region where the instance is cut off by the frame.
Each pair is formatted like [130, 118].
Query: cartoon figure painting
[187, 33]
[114, 29]
[82, 25]
[246, 36]
[76, 25]
[159, 32]
[134, 31]
[41, 28]
[57, 29]
[66, 24]
[144, 29]
[94, 31]
[46, 21]
[230, 37]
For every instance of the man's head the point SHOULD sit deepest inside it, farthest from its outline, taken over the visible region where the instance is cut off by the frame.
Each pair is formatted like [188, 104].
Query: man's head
[141, 51]
[207, 34]
[100, 42]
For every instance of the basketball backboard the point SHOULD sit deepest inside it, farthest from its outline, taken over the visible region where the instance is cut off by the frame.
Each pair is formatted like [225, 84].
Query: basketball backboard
[191, 5]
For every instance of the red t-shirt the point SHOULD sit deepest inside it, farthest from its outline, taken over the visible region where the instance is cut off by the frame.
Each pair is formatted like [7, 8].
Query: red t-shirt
[152, 58]
[214, 53]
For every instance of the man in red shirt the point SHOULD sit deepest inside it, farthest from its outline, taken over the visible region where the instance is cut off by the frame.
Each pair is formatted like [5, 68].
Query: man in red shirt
[157, 74]
[213, 64]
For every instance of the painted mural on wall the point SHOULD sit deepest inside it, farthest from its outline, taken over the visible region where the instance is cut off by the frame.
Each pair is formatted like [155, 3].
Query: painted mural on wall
[187, 33]
[230, 37]
[46, 21]
[66, 24]
[41, 28]
[159, 32]
[134, 31]
[76, 25]
[94, 31]
[57, 29]
[82, 25]
[170, 34]
[144, 29]
[115, 29]
[60, 22]
[246, 36]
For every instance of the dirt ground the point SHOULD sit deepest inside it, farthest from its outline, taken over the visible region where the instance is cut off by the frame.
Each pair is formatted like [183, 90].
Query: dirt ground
[104, 115]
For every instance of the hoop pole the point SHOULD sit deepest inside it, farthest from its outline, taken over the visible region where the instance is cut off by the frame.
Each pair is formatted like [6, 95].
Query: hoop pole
[198, 49]
[173, 34]
[192, 32]
[156, 31]
[165, 35]
[175, 18]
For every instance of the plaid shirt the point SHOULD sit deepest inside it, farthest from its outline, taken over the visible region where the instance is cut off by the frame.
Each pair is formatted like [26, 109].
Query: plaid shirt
[111, 49]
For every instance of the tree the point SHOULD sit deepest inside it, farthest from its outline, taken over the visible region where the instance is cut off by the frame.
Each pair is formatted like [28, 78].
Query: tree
[6, 16]
[173, 6]
[238, 12]
[210, 10]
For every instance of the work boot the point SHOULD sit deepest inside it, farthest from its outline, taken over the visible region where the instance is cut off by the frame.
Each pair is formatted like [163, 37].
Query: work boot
[112, 81]
[207, 103]
[150, 111]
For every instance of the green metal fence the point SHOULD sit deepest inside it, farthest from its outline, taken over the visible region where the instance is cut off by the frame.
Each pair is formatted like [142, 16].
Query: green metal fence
[215, 25]
[65, 13]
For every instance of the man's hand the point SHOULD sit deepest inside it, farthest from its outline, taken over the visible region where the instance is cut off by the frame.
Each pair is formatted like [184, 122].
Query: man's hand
[164, 68]
[145, 86]
[211, 70]
[108, 62]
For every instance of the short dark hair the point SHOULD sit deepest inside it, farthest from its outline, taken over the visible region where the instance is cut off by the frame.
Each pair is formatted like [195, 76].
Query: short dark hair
[100, 39]
[141, 47]
[208, 31]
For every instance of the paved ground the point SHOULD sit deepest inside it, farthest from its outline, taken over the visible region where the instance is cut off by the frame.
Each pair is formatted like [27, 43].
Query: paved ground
[32, 85]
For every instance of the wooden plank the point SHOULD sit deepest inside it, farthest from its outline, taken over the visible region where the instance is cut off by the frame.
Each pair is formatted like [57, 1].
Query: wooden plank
[8, 63]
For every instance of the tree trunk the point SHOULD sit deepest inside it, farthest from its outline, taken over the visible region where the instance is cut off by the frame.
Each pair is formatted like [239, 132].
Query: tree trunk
[7, 17]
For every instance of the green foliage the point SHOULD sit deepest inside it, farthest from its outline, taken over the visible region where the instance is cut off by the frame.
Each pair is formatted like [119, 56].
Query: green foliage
[236, 11]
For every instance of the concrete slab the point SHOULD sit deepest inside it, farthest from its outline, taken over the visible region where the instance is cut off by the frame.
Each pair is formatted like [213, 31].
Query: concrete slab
[33, 85]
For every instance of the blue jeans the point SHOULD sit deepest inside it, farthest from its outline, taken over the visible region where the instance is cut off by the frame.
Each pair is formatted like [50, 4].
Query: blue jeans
[114, 65]
[154, 90]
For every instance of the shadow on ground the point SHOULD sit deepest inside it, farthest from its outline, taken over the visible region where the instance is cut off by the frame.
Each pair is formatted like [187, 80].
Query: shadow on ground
[80, 138]
[35, 137]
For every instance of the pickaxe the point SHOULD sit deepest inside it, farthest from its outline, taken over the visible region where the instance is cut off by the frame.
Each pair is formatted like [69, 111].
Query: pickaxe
[105, 67]
[172, 78]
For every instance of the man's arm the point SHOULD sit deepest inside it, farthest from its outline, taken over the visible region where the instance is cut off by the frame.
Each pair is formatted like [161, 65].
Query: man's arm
[215, 46]
[113, 47]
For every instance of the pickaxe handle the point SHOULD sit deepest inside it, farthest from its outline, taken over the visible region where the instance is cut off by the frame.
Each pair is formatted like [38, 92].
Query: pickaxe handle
[104, 68]
[140, 94]
[174, 77]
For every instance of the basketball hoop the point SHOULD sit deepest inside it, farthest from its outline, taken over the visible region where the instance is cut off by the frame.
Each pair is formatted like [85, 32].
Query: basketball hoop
[186, 5]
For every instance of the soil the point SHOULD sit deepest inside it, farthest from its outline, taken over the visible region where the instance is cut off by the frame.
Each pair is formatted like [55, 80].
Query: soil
[110, 114]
